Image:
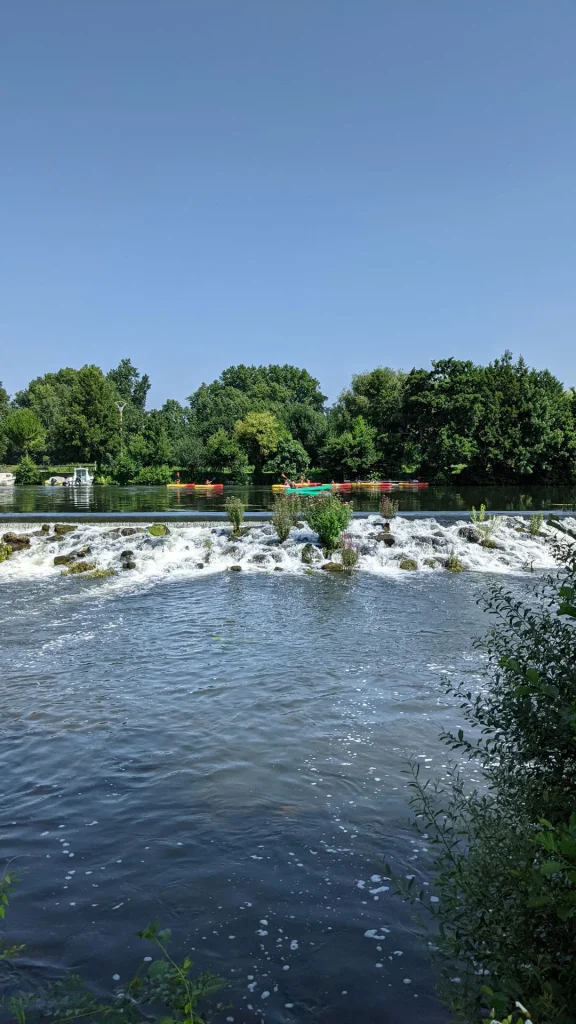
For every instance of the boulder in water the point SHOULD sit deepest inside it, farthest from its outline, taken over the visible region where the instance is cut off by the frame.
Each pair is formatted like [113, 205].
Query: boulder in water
[199, 565]
[488, 543]
[158, 530]
[309, 554]
[82, 552]
[129, 531]
[128, 563]
[470, 534]
[409, 564]
[386, 538]
[45, 528]
[278, 568]
[60, 529]
[64, 559]
[333, 567]
[235, 568]
[16, 541]
[5, 552]
[127, 554]
[259, 558]
[78, 567]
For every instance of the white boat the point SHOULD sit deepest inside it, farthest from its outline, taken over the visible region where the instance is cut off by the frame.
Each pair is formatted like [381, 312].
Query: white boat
[7, 479]
[81, 477]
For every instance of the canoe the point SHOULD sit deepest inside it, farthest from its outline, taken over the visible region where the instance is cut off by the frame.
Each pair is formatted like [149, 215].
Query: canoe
[197, 487]
[298, 487]
[187, 486]
[411, 483]
[378, 485]
[308, 490]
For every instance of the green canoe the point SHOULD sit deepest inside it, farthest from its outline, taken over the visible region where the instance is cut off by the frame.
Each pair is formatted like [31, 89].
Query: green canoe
[308, 490]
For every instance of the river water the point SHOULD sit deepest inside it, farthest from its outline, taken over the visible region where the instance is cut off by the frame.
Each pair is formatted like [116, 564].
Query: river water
[225, 752]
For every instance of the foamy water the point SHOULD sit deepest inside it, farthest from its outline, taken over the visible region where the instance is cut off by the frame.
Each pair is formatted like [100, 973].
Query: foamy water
[201, 549]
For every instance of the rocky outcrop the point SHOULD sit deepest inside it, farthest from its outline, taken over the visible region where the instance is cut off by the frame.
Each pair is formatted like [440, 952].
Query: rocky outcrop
[16, 541]
[78, 567]
[332, 567]
[60, 529]
[64, 559]
[235, 568]
[385, 538]
[309, 554]
[409, 564]
[259, 558]
[470, 534]
[130, 531]
[128, 564]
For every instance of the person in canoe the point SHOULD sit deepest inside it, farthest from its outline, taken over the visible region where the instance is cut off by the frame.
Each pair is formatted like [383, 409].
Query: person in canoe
[287, 482]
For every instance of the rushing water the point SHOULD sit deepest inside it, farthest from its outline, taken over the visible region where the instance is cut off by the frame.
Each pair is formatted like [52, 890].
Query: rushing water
[158, 499]
[224, 752]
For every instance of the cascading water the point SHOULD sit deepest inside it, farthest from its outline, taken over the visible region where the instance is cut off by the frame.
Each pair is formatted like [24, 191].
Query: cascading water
[427, 545]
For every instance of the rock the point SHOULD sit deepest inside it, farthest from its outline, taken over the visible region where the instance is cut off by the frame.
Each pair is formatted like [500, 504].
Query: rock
[278, 568]
[199, 565]
[16, 541]
[62, 528]
[128, 564]
[276, 556]
[332, 567]
[63, 559]
[488, 543]
[259, 558]
[79, 567]
[430, 562]
[127, 554]
[309, 554]
[158, 530]
[99, 574]
[5, 552]
[231, 549]
[45, 528]
[409, 564]
[438, 541]
[130, 531]
[235, 568]
[386, 538]
[82, 552]
[469, 534]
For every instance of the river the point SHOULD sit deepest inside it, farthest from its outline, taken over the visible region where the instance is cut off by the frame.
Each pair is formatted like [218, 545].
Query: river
[225, 752]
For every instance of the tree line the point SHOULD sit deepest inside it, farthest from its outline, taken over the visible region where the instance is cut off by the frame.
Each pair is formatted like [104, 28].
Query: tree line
[457, 422]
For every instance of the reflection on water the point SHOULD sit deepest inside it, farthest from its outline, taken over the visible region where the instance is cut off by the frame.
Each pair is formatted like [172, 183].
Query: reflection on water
[161, 499]
[226, 754]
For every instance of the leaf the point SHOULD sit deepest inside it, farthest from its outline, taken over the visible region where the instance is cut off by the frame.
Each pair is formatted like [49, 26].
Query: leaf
[550, 867]
[567, 609]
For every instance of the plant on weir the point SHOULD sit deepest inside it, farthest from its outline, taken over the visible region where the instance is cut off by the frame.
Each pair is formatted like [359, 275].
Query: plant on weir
[504, 868]
[328, 517]
[235, 509]
[285, 514]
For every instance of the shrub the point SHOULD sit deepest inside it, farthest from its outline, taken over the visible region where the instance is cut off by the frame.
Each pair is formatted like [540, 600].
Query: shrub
[101, 480]
[453, 563]
[153, 476]
[285, 513]
[235, 509]
[505, 856]
[328, 517]
[27, 472]
[350, 554]
[388, 508]
[123, 469]
[535, 524]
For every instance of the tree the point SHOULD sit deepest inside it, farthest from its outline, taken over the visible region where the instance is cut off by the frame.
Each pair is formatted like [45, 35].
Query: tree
[309, 427]
[353, 452]
[89, 428]
[290, 458]
[27, 472]
[258, 434]
[223, 455]
[130, 384]
[24, 431]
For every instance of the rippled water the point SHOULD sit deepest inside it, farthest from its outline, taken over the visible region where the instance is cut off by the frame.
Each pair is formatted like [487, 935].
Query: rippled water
[157, 499]
[224, 752]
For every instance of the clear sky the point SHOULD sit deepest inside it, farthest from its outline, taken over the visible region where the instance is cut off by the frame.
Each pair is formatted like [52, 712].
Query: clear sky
[339, 184]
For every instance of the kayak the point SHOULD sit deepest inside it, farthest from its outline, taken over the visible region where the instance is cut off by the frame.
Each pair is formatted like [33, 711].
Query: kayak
[284, 487]
[197, 487]
[411, 483]
[188, 486]
[308, 490]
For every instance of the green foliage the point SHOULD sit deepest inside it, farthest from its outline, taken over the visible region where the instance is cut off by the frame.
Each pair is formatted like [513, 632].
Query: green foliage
[158, 530]
[285, 513]
[223, 455]
[154, 476]
[478, 516]
[505, 855]
[290, 458]
[353, 451]
[388, 508]
[5, 551]
[409, 564]
[23, 431]
[327, 516]
[258, 435]
[87, 428]
[535, 524]
[453, 563]
[27, 472]
[130, 385]
[123, 469]
[235, 509]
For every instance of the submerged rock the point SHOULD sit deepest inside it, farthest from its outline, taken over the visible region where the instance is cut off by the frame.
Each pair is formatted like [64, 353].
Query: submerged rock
[259, 558]
[488, 543]
[333, 567]
[409, 564]
[309, 554]
[128, 564]
[130, 531]
[385, 538]
[45, 528]
[470, 534]
[278, 568]
[235, 568]
[127, 554]
[60, 529]
[199, 565]
[16, 541]
[99, 574]
[158, 530]
[82, 552]
[5, 552]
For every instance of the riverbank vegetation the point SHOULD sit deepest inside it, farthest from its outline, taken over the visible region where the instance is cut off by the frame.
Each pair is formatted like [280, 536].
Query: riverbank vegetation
[457, 422]
[504, 871]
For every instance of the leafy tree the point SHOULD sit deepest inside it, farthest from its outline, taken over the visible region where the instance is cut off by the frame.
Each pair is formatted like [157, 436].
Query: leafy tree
[49, 398]
[130, 384]
[89, 428]
[258, 434]
[123, 469]
[309, 427]
[24, 431]
[377, 396]
[352, 452]
[27, 472]
[223, 455]
[290, 458]
[328, 517]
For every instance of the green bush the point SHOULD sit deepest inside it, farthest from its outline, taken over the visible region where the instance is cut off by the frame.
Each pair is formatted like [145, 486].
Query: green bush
[285, 514]
[27, 472]
[328, 517]
[535, 524]
[153, 476]
[123, 469]
[350, 554]
[235, 509]
[504, 896]
[388, 508]
[453, 563]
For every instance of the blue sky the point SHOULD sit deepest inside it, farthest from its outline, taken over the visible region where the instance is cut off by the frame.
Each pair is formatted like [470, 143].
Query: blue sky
[339, 184]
